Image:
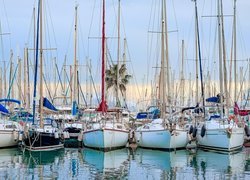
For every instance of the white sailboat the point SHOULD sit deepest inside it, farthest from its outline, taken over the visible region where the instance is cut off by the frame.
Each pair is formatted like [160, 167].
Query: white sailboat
[10, 131]
[218, 131]
[164, 132]
[106, 131]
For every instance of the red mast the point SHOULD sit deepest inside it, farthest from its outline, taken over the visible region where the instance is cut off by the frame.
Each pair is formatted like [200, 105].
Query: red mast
[103, 106]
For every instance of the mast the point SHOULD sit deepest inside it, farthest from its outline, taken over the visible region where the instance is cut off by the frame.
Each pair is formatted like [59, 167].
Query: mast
[36, 63]
[199, 53]
[25, 78]
[235, 55]
[169, 93]
[162, 82]
[182, 75]
[196, 59]
[118, 55]
[75, 60]
[224, 58]
[20, 78]
[103, 106]
[220, 55]
[41, 64]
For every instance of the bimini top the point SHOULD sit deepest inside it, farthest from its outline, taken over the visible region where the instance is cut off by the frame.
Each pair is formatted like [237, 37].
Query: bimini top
[11, 100]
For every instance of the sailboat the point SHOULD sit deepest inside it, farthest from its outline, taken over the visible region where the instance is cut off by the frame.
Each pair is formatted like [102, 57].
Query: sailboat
[10, 131]
[45, 135]
[105, 132]
[165, 132]
[73, 126]
[218, 131]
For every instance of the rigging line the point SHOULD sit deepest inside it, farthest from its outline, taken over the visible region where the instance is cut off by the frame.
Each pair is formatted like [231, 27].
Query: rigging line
[47, 87]
[60, 80]
[11, 82]
[242, 82]
[177, 27]
[91, 23]
[7, 20]
[81, 37]
[70, 34]
[2, 47]
[93, 83]
[84, 99]
[30, 28]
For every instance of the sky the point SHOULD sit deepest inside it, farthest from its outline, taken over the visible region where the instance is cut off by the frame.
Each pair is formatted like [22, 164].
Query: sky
[138, 18]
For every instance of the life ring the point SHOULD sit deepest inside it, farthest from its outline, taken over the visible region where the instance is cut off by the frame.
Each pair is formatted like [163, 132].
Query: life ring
[203, 131]
[194, 132]
[191, 130]
[246, 128]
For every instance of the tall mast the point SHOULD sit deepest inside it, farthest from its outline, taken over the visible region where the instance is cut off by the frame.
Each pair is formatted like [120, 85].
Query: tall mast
[162, 83]
[25, 77]
[220, 54]
[103, 102]
[196, 59]
[118, 54]
[224, 58]
[199, 53]
[75, 60]
[235, 55]
[20, 78]
[182, 75]
[169, 93]
[41, 64]
[36, 64]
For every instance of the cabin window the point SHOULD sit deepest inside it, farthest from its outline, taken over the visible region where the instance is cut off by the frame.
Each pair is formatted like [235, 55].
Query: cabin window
[11, 126]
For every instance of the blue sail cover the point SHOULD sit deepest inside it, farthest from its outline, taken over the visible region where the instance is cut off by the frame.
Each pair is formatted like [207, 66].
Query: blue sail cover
[49, 105]
[10, 100]
[3, 109]
[74, 108]
[213, 99]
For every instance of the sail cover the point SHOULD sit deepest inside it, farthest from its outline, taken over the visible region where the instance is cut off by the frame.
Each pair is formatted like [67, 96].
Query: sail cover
[47, 104]
[3, 109]
[74, 108]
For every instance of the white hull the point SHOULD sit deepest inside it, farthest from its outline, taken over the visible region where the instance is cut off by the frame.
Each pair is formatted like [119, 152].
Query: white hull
[9, 133]
[105, 138]
[221, 139]
[8, 138]
[162, 139]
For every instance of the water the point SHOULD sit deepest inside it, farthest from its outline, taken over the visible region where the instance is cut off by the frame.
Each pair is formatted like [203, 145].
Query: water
[123, 164]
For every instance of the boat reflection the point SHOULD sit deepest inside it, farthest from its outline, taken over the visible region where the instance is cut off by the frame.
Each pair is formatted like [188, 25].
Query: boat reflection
[9, 157]
[37, 158]
[164, 160]
[111, 164]
[219, 165]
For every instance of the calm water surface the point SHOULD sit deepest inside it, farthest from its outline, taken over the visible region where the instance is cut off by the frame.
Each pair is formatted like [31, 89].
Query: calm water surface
[123, 164]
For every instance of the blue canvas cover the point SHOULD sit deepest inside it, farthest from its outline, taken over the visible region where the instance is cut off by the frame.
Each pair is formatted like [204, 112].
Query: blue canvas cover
[49, 105]
[3, 109]
[10, 100]
[74, 108]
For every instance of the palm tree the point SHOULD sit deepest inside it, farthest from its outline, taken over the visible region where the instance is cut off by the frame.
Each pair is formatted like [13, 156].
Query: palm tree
[112, 78]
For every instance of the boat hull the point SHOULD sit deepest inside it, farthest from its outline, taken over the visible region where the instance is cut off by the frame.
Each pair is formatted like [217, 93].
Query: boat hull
[162, 139]
[9, 138]
[42, 141]
[105, 139]
[221, 139]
